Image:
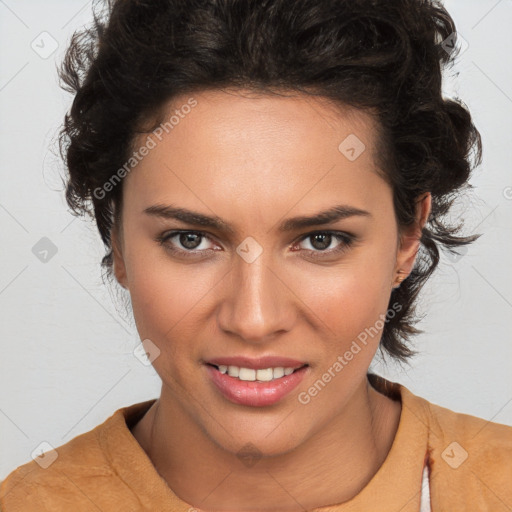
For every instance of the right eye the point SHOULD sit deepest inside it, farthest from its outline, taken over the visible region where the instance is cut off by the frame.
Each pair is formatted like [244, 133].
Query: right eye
[185, 242]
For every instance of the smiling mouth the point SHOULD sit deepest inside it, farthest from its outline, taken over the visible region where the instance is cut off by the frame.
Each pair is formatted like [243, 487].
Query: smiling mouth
[259, 375]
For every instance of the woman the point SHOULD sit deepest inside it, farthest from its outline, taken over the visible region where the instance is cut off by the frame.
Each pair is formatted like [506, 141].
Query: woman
[270, 180]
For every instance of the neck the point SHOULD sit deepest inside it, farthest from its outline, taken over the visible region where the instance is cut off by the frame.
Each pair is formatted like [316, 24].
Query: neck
[317, 473]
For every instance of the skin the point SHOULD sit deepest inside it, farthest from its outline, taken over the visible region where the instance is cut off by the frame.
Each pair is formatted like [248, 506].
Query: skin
[254, 161]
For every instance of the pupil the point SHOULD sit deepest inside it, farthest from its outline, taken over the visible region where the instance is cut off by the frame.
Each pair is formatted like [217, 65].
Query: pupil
[187, 240]
[323, 245]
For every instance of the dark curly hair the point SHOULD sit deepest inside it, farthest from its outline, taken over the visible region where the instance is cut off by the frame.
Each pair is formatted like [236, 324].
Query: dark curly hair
[385, 57]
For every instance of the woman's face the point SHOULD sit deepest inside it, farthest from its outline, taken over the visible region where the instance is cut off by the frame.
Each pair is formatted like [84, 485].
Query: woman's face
[258, 281]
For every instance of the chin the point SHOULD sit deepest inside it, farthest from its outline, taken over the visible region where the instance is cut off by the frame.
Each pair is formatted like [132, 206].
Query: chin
[260, 439]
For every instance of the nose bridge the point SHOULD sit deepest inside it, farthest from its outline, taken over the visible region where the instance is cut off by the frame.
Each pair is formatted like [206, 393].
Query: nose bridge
[255, 304]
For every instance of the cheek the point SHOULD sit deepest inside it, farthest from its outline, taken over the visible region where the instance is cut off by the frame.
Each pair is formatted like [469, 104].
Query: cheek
[160, 303]
[350, 308]
[167, 299]
[346, 300]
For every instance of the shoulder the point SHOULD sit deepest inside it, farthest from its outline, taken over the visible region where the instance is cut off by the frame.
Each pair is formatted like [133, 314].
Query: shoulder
[32, 484]
[470, 458]
[477, 436]
[70, 475]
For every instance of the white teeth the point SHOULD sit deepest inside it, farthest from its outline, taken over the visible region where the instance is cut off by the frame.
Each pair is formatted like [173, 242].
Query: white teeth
[249, 374]
[233, 371]
[278, 372]
[265, 375]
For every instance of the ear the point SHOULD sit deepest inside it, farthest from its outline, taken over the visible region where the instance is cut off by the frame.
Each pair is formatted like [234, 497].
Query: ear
[409, 242]
[117, 258]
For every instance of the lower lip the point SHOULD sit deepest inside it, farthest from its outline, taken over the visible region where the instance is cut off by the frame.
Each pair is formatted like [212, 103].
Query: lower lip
[255, 393]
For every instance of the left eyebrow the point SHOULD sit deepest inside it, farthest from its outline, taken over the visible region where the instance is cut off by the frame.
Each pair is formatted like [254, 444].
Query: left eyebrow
[333, 214]
[186, 216]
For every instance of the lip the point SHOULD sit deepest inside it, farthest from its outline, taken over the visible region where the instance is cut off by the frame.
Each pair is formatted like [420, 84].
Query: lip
[259, 363]
[255, 393]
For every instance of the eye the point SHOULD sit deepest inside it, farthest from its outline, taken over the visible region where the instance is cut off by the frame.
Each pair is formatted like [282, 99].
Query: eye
[320, 241]
[189, 243]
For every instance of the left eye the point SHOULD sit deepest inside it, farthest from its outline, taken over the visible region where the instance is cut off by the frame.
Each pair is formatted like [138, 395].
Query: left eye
[321, 241]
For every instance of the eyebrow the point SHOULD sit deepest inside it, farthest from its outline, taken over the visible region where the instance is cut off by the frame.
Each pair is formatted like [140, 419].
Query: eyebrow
[333, 214]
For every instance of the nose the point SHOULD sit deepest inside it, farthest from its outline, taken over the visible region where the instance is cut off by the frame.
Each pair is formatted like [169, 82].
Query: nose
[257, 302]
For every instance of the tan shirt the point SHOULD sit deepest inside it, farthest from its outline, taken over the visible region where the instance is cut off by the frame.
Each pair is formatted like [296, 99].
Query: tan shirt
[105, 469]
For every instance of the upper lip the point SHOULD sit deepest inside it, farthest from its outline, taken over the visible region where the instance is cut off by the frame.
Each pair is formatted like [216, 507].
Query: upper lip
[259, 363]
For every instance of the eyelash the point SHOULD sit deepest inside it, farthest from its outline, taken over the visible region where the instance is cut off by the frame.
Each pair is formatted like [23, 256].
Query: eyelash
[346, 240]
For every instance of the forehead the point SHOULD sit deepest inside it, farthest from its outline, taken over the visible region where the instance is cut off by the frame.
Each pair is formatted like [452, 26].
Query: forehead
[237, 145]
[235, 113]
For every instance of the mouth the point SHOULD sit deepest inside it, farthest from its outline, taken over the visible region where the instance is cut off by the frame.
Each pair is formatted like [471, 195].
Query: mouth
[256, 375]
[255, 387]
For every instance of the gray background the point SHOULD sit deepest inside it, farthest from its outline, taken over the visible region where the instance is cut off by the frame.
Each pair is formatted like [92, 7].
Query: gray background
[67, 352]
